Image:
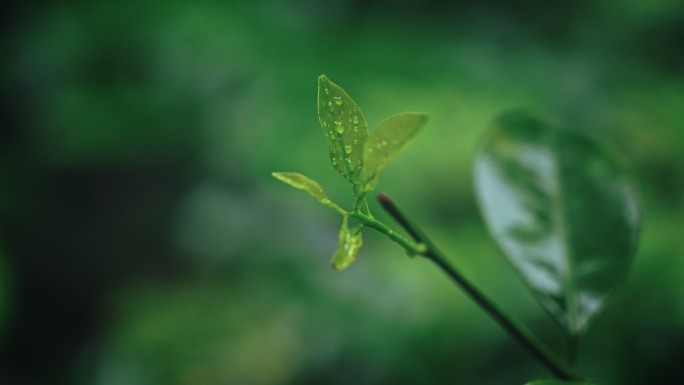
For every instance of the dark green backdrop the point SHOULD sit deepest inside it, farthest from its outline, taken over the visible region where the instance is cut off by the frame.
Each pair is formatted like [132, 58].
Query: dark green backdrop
[143, 241]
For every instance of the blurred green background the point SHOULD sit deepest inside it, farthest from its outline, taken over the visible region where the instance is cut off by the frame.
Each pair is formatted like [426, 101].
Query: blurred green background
[143, 240]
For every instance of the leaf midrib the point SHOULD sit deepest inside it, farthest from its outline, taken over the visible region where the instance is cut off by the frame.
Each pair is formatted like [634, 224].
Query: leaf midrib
[560, 217]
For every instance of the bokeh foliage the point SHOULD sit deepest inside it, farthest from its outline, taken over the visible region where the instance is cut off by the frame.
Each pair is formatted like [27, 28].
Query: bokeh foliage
[143, 241]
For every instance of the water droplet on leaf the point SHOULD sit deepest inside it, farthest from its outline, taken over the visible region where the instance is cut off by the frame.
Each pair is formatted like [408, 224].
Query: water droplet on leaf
[348, 149]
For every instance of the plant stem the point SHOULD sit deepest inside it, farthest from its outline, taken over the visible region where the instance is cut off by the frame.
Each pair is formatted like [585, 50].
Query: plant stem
[516, 330]
[411, 247]
[360, 202]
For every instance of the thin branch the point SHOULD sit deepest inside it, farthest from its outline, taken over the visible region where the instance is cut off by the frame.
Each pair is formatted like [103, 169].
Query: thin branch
[516, 330]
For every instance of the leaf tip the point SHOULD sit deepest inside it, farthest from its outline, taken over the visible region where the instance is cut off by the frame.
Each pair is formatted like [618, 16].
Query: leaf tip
[424, 117]
[345, 257]
[322, 79]
[337, 267]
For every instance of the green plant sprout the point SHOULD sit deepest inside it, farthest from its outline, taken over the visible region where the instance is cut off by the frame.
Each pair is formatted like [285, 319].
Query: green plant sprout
[360, 158]
[559, 206]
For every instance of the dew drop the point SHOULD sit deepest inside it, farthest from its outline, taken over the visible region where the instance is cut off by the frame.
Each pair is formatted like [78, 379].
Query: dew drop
[327, 91]
[356, 119]
[383, 143]
[356, 129]
[348, 149]
[338, 100]
[339, 128]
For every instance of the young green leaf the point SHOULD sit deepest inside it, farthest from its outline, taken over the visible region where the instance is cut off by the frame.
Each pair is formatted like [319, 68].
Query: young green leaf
[344, 126]
[347, 248]
[314, 189]
[562, 210]
[559, 382]
[385, 142]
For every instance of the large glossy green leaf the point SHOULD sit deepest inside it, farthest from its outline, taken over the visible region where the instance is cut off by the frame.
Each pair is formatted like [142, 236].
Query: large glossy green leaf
[344, 126]
[314, 189]
[562, 210]
[559, 382]
[385, 142]
[347, 248]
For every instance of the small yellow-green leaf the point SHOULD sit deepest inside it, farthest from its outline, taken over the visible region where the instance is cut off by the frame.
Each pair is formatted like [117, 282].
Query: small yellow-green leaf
[314, 189]
[385, 142]
[347, 248]
[344, 126]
